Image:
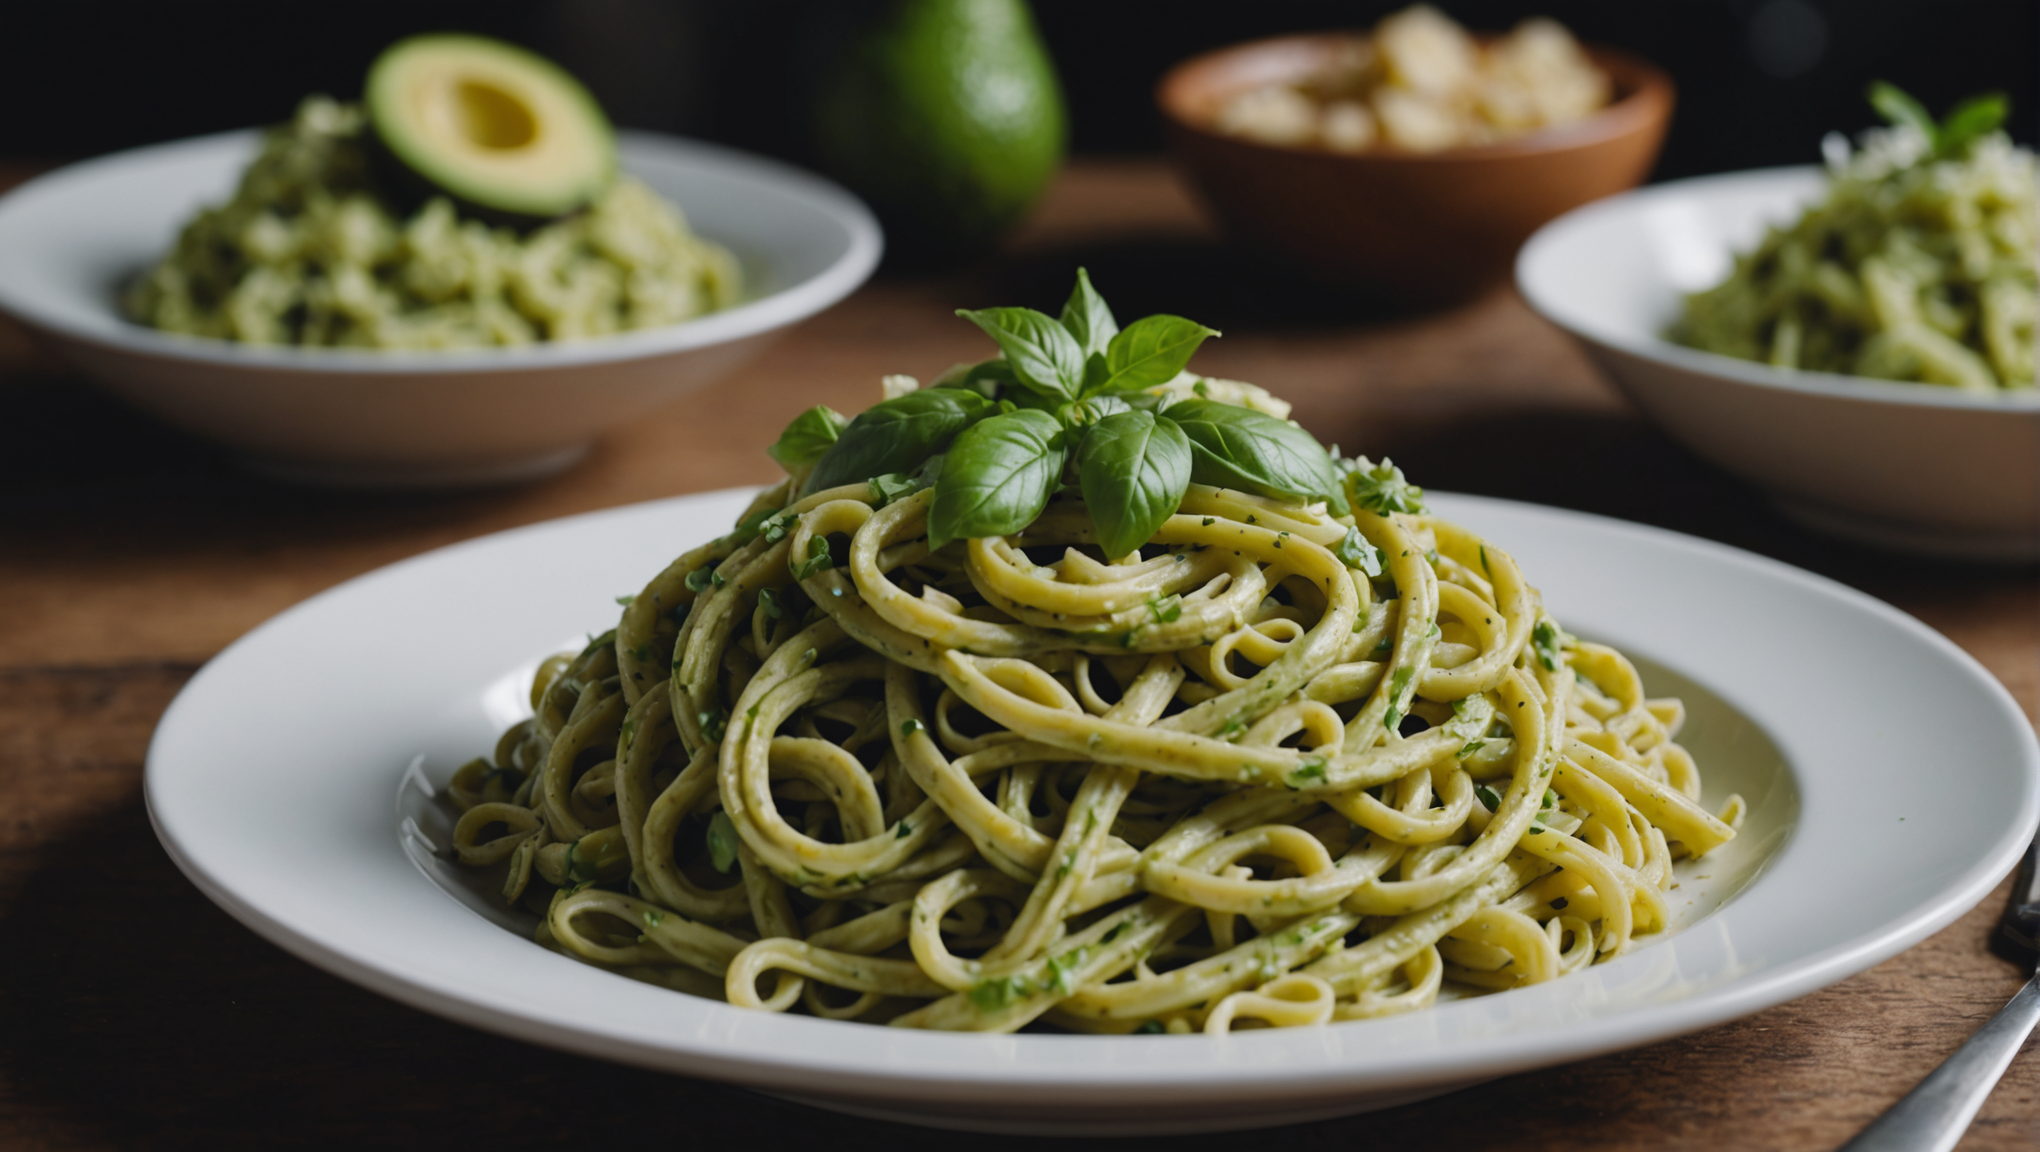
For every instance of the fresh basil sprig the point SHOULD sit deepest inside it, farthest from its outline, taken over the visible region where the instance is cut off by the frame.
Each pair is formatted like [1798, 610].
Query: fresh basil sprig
[1087, 317]
[1072, 398]
[897, 435]
[1045, 358]
[808, 438]
[1974, 117]
[997, 477]
[1150, 351]
[1133, 468]
[1234, 447]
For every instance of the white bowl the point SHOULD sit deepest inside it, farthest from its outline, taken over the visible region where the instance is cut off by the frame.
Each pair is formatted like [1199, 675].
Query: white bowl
[1909, 466]
[69, 240]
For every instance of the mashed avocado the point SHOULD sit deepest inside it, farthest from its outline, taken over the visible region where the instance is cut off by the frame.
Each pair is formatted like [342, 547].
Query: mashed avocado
[307, 252]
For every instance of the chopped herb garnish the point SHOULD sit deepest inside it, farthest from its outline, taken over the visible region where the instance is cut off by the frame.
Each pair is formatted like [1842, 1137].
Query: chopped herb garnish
[998, 992]
[775, 530]
[1472, 746]
[1059, 969]
[625, 600]
[1546, 639]
[910, 726]
[1312, 769]
[1167, 610]
[818, 559]
[1151, 1028]
[906, 830]
[1381, 488]
[1487, 798]
[769, 601]
[1358, 554]
[714, 725]
[890, 487]
[697, 580]
[722, 842]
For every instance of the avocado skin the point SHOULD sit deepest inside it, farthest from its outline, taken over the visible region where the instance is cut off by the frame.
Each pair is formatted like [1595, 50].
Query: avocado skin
[947, 117]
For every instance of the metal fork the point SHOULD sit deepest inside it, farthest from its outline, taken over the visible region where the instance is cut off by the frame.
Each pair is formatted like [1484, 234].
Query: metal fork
[1933, 1116]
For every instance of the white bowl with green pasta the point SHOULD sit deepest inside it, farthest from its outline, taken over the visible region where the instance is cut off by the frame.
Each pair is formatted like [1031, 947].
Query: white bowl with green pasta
[413, 399]
[1938, 467]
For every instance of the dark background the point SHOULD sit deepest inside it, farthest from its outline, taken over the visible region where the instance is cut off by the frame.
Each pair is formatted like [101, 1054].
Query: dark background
[1759, 81]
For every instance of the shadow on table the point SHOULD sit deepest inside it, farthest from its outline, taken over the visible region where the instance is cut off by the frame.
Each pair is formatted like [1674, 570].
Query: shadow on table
[75, 461]
[140, 1016]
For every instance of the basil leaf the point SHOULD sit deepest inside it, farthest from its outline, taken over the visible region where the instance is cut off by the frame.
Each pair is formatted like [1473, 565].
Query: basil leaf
[1096, 372]
[1092, 409]
[1234, 447]
[997, 477]
[1381, 488]
[1155, 402]
[897, 435]
[1044, 357]
[1974, 117]
[808, 438]
[1151, 351]
[987, 378]
[1087, 318]
[1133, 468]
[1896, 106]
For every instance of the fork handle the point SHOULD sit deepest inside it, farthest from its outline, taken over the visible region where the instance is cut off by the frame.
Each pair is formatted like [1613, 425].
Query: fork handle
[1933, 1116]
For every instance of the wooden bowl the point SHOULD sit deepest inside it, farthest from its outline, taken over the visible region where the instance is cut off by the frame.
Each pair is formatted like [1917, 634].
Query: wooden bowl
[1422, 228]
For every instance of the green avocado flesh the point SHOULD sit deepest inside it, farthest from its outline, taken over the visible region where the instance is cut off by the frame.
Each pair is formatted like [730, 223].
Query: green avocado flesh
[491, 124]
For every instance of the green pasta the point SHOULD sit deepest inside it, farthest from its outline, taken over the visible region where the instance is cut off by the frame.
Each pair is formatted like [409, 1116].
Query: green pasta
[308, 253]
[1223, 774]
[1919, 265]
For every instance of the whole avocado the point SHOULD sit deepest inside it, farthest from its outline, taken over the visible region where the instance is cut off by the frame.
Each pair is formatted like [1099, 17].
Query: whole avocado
[947, 117]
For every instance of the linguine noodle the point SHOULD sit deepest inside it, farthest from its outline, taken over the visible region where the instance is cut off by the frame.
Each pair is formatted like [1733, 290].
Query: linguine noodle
[1226, 780]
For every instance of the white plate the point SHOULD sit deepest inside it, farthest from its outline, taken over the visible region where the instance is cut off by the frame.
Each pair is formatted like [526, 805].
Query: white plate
[1893, 783]
[69, 240]
[1843, 454]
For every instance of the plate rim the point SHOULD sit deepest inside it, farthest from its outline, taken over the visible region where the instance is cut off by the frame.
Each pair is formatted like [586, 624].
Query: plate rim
[1582, 1038]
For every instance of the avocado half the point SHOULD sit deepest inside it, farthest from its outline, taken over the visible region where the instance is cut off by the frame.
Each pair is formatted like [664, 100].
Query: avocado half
[490, 123]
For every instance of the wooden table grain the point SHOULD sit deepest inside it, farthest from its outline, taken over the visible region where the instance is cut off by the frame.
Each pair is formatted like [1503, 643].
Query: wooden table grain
[136, 1015]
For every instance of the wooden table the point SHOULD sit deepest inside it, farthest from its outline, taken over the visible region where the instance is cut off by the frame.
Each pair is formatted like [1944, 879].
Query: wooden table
[135, 1014]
